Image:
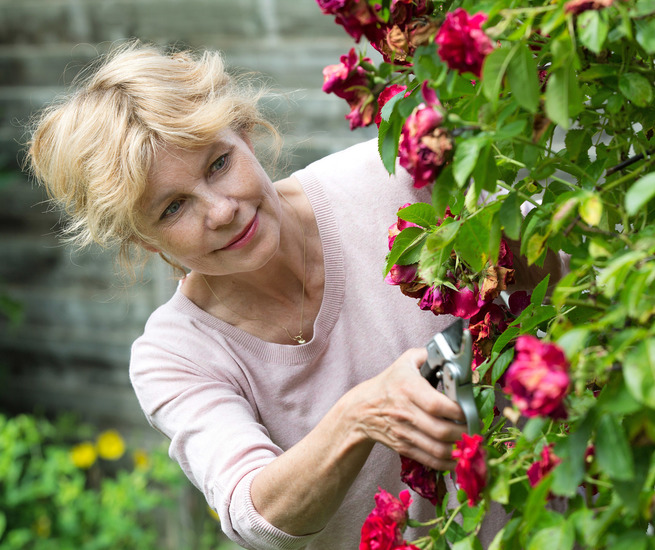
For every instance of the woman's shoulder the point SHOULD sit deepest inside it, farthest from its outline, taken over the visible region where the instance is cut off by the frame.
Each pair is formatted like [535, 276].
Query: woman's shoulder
[176, 334]
[358, 174]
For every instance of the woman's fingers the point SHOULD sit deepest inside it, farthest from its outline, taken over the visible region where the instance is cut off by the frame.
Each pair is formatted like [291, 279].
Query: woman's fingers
[403, 411]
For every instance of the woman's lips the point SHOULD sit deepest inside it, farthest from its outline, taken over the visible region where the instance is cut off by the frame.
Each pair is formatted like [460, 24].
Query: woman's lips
[245, 237]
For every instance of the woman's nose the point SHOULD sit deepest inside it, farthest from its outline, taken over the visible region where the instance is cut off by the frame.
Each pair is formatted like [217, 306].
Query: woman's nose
[220, 211]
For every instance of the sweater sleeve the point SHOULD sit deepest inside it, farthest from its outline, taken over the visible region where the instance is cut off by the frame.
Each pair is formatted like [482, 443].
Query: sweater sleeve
[214, 432]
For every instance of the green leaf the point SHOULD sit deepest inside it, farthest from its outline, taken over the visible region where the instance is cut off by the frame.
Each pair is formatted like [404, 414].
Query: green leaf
[501, 364]
[561, 536]
[444, 191]
[578, 142]
[592, 30]
[640, 193]
[536, 247]
[570, 472]
[536, 504]
[573, 341]
[499, 491]
[405, 240]
[510, 215]
[472, 242]
[636, 88]
[485, 173]
[504, 339]
[611, 278]
[387, 108]
[639, 372]
[465, 159]
[469, 543]
[597, 71]
[522, 77]
[539, 292]
[493, 72]
[613, 449]
[645, 35]
[419, 213]
[591, 209]
[563, 98]
[444, 235]
[540, 315]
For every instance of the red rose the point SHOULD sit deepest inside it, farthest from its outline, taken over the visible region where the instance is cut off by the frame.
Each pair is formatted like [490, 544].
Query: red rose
[350, 81]
[383, 528]
[392, 509]
[463, 45]
[424, 147]
[541, 468]
[357, 17]
[421, 479]
[471, 469]
[538, 379]
[377, 534]
[384, 97]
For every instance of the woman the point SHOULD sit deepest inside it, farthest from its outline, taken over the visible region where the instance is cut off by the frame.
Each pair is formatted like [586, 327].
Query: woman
[283, 370]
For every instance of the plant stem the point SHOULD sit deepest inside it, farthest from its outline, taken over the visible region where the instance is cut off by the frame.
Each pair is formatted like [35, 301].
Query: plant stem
[456, 511]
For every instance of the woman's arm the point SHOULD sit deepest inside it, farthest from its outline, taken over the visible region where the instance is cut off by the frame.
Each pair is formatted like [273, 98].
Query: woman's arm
[300, 490]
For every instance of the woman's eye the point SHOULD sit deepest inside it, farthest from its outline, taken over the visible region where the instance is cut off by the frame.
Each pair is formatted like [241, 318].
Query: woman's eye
[172, 209]
[218, 164]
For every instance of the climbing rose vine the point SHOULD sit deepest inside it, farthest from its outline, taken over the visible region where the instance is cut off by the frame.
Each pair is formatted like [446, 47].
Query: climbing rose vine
[532, 123]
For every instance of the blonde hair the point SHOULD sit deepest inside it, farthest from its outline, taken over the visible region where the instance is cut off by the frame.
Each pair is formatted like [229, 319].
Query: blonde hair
[93, 150]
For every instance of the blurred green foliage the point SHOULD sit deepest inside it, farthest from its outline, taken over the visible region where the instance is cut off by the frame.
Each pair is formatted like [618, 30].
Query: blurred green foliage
[57, 492]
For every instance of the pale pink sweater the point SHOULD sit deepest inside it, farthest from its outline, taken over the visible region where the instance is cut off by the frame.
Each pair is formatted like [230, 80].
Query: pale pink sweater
[230, 403]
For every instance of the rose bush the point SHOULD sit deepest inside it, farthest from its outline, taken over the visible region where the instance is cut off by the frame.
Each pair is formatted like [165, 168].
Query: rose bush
[533, 122]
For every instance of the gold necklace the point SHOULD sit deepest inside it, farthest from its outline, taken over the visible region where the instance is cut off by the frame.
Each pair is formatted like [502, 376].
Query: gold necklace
[299, 339]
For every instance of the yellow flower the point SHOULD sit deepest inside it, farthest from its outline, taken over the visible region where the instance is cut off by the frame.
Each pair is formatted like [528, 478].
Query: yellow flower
[141, 459]
[83, 455]
[110, 445]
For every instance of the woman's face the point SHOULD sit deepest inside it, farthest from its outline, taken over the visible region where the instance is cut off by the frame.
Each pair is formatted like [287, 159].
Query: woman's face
[213, 210]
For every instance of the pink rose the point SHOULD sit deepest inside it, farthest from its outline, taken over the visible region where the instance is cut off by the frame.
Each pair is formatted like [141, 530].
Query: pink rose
[471, 469]
[424, 147]
[398, 226]
[377, 534]
[541, 468]
[384, 97]
[350, 81]
[442, 300]
[578, 6]
[538, 380]
[421, 479]
[463, 45]
[401, 274]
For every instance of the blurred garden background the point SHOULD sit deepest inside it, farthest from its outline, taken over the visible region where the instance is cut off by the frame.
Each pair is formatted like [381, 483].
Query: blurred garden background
[79, 466]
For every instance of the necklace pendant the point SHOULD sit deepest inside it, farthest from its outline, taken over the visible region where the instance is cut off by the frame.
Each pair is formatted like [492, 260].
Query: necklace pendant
[299, 339]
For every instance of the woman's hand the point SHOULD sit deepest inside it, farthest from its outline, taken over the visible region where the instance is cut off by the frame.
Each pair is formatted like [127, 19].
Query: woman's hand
[401, 410]
[397, 408]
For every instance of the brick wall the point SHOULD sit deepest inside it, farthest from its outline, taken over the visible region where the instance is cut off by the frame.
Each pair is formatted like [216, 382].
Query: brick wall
[71, 349]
